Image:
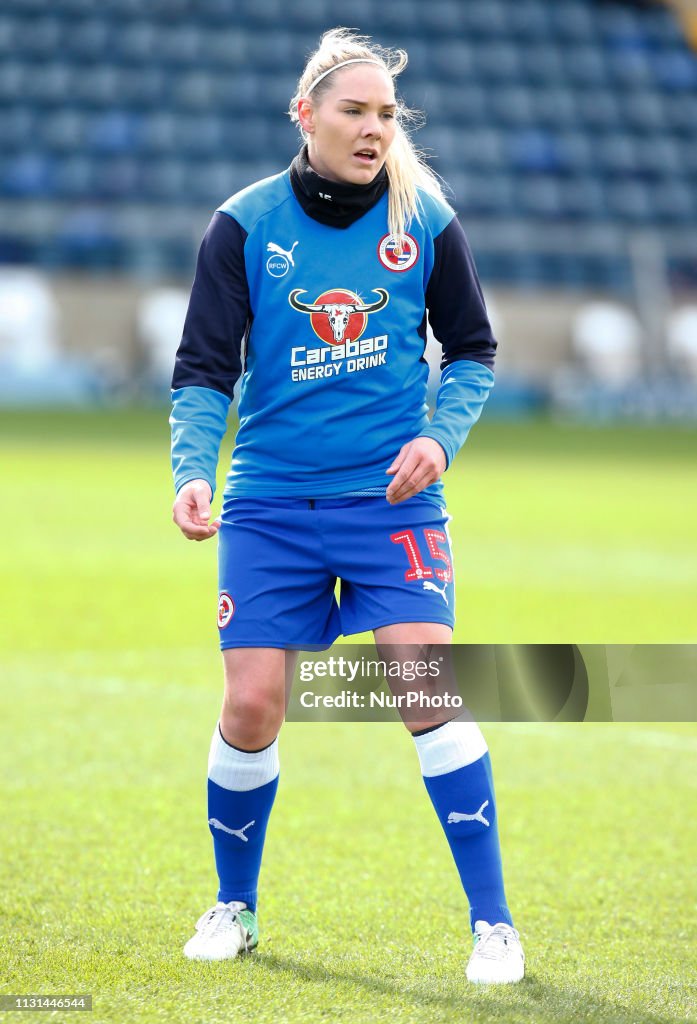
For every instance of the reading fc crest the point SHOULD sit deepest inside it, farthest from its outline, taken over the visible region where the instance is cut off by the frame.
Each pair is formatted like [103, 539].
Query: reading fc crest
[226, 609]
[394, 258]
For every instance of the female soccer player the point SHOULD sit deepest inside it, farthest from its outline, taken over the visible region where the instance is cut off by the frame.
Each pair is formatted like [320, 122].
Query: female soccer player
[314, 286]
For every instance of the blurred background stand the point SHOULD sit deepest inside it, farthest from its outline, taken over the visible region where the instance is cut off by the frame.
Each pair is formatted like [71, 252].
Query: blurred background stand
[160, 321]
[33, 367]
[567, 132]
[682, 341]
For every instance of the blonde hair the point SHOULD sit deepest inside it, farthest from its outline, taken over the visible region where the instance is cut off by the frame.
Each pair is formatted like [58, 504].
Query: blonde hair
[406, 166]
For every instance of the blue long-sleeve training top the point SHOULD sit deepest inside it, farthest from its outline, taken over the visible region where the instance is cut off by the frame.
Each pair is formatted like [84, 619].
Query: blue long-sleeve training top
[327, 328]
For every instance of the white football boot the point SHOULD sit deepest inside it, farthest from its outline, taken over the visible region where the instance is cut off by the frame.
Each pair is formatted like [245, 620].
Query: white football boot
[497, 957]
[223, 932]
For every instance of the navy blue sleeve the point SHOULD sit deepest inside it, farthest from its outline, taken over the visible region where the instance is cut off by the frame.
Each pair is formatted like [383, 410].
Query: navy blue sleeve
[455, 303]
[219, 313]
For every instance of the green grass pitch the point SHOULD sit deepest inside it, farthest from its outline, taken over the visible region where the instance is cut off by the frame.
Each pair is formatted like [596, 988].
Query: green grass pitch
[109, 688]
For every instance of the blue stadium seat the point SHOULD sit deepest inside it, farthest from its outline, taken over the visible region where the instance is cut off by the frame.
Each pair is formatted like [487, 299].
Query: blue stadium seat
[269, 51]
[392, 19]
[661, 27]
[18, 128]
[616, 154]
[215, 181]
[478, 194]
[65, 132]
[136, 42]
[48, 86]
[144, 88]
[158, 133]
[572, 23]
[541, 63]
[91, 39]
[658, 156]
[586, 66]
[688, 158]
[75, 177]
[675, 202]
[202, 136]
[225, 47]
[555, 107]
[420, 65]
[13, 74]
[113, 132]
[251, 137]
[512, 106]
[242, 11]
[539, 196]
[457, 108]
[679, 113]
[630, 68]
[533, 151]
[576, 153]
[278, 90]
[630, 201]
[442, 19]
[39, 39]
[194, 91]
[619, 23]
[643, 111]
[212, 183]
[676, 70]
[117, 177]
[598, 109]
[529, 19]
[88, 238]
[496, 61]
[314, 13]
[28, 174]
[7, 34]
[455, 63]
[238, 91]
[480, 147]
[609, 272]
[442, 145]
[488, 20]
[166, 181]
[97, 86]
[68, 7]
[180, 46]
[582, 199]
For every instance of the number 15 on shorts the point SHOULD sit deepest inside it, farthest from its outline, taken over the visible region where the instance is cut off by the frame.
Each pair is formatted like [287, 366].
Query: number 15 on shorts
[434, 541]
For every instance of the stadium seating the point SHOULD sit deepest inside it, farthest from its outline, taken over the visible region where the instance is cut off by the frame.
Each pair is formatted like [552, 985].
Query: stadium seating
[540, 115]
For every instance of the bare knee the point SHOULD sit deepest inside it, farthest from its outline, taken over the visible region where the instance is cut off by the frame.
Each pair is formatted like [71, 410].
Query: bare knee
[411, 642]
[254, 701]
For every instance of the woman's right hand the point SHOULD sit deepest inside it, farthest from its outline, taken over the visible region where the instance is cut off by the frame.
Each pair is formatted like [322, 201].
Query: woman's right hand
[192, 511]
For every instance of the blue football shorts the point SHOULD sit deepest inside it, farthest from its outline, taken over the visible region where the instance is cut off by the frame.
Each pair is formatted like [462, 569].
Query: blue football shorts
[279, 560]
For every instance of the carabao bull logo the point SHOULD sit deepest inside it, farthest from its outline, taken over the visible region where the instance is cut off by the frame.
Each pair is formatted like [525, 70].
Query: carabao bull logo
[338, 316]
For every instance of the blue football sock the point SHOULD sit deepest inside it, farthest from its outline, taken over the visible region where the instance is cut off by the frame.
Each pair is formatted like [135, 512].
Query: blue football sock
[241, 791]
[456, 768]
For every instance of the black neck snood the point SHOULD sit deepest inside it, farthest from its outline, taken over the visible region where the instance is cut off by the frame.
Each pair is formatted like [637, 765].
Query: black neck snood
[334, 203]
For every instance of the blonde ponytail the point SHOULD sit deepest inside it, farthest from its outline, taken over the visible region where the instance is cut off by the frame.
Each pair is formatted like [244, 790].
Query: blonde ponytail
[406, 167]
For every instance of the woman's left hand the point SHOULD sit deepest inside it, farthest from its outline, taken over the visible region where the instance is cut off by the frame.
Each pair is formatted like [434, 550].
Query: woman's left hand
[420, 462]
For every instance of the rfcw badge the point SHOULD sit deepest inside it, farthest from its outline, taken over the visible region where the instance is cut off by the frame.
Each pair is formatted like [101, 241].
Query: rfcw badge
[396, 257]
